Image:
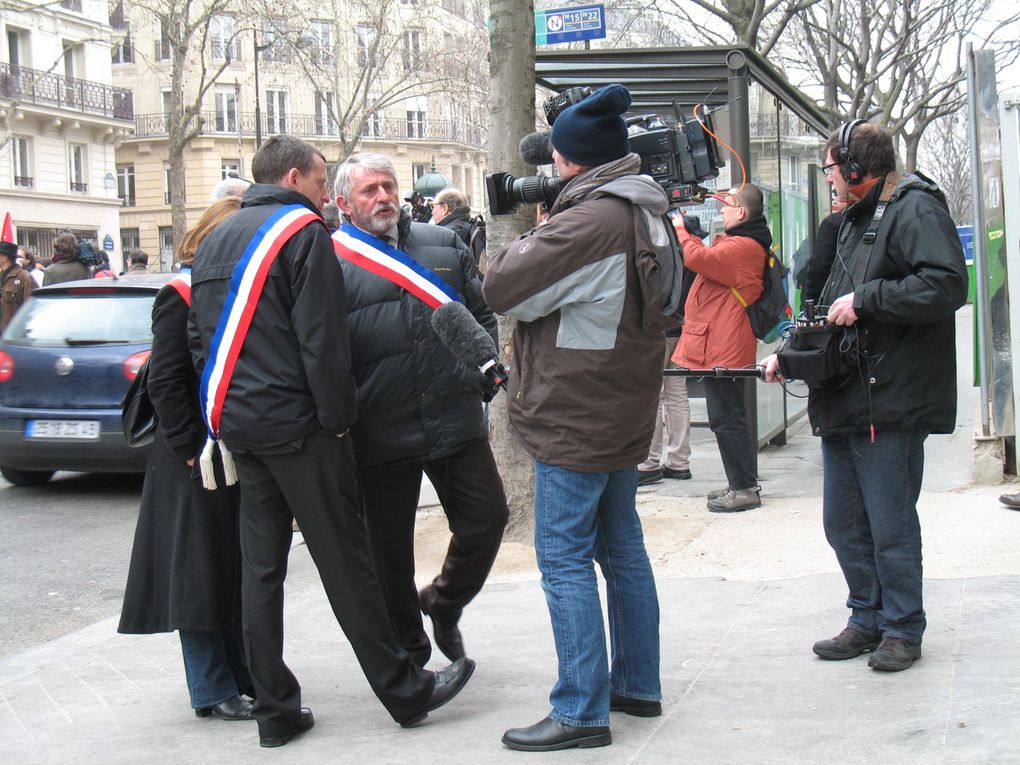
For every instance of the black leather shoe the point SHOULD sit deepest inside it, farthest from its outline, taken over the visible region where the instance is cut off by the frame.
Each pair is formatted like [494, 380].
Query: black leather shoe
[679, 475]
[449, 682]
[549, 735]
[635, 707]
[445, 632]
[306, 722]
[234, 708]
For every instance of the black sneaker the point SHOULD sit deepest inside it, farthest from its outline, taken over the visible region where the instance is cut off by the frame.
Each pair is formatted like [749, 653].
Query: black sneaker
[645, 477]
[895, 655]
[846, 645]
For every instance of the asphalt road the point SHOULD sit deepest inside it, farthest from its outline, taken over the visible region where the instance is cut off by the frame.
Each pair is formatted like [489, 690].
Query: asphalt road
[64, 552]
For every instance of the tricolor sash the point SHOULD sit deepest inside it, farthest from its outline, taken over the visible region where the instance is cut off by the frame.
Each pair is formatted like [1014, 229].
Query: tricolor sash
[246, 284]
[182, 283]
[380, 258]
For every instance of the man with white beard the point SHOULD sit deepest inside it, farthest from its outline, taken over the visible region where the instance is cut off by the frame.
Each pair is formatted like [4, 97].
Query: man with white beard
[419, 409]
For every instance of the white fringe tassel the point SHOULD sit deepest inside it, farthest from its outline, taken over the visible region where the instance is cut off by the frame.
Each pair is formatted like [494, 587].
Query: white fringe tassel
[229, 471]
[205, 463]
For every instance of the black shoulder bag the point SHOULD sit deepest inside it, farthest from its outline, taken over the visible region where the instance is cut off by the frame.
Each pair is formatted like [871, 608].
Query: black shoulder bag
[137, 415]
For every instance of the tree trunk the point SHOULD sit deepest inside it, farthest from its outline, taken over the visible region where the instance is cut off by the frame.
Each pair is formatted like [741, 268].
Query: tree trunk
[511, 116]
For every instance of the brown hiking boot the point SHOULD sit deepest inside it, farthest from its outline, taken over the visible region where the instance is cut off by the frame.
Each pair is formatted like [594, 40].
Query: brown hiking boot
[895, 655]
[846, 645]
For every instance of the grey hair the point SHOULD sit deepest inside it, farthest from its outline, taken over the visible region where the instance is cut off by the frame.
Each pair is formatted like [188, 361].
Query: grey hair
[345, 172]
[452, 198]
[231, 186]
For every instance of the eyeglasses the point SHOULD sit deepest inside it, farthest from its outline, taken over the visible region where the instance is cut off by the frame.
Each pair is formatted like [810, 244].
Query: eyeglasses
[827, 169]
[727, 199]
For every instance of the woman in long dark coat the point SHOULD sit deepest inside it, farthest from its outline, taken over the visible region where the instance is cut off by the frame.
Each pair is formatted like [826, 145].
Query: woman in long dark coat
[185, 572]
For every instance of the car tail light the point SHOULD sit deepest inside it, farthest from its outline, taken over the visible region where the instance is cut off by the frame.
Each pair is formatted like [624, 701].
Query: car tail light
[6, 366]
[133, 363]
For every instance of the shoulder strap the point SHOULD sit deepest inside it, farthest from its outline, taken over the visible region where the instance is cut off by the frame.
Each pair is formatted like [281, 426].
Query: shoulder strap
[182, 283]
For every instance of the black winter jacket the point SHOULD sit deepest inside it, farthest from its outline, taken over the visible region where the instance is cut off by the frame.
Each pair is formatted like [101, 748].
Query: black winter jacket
[415, 400]
[461, 223]
[293, 375]
[914, 282]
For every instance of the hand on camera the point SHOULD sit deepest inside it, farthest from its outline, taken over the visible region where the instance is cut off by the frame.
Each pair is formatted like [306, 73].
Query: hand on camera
[771, 365]
[842, 312]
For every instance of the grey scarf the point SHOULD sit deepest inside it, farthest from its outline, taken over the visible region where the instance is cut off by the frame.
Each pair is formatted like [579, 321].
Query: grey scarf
[581, 185]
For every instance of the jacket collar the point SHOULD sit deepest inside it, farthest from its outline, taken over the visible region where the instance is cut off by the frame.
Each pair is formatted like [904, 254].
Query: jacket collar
[271, 194]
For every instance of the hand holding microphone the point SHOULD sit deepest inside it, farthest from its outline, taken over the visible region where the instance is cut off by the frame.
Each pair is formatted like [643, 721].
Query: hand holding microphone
[470, 344]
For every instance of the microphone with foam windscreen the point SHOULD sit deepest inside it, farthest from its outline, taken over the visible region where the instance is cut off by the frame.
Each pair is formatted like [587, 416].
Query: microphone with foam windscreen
[468, 341]
[535, 149]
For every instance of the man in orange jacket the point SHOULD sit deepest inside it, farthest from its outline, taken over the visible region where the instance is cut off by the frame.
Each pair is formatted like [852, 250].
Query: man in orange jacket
[717, 333]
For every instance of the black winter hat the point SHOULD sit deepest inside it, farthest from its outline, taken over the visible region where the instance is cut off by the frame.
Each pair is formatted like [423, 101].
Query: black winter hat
[10, 249]
[593, 132]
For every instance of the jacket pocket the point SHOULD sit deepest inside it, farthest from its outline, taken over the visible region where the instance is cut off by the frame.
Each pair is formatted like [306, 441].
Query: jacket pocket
[694, 342]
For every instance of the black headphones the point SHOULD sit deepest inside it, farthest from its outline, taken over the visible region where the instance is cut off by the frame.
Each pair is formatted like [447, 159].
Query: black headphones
[852, 171]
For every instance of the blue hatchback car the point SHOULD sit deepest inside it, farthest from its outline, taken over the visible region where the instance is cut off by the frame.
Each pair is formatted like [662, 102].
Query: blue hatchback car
[66, 360]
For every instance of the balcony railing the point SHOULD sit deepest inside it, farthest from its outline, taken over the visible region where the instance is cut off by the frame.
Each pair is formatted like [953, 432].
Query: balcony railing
[19, 83]
[311, 126]
[24, 181]
[79, 186]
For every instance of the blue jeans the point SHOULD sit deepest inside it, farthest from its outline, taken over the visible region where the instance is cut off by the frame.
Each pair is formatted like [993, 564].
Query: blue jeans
[213, 665]
[870, 518]
[581, 518]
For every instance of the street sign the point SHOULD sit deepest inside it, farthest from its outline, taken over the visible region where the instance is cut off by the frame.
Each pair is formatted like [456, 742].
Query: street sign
[562, 25]
[108, 243]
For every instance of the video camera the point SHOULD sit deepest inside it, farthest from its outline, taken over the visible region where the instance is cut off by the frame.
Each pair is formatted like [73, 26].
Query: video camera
[421, 207]
[88, 254]
[678, 159]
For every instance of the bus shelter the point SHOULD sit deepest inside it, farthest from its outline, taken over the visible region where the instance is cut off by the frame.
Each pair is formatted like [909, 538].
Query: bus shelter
[778, 132]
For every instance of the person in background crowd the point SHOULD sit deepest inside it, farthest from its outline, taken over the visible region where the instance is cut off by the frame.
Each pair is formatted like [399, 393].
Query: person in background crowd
[231, 186]
[103, 270]
[31, 264]
[419, 411]
[290, 440]
[450, 209]
[675, 416]
[717, 333]
[185, 571]
[65, 266]
[331, 214]
[897, 280]
[585, 380]
[138, 262]
[16, 283]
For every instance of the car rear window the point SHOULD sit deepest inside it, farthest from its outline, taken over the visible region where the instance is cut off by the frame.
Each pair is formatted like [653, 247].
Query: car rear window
[83, 319]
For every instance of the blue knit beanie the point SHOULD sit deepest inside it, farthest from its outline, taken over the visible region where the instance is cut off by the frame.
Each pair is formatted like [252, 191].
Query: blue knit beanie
[593, 132]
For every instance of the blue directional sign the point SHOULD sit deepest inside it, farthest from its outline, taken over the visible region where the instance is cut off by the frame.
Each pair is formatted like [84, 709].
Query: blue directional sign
[561, 25]
[108, 243]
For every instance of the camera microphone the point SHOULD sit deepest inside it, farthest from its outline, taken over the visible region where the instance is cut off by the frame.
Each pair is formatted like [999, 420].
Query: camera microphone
[535, 149]
[468, 341]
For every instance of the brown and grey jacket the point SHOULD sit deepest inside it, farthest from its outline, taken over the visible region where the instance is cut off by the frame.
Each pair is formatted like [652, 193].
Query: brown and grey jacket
[586, 366]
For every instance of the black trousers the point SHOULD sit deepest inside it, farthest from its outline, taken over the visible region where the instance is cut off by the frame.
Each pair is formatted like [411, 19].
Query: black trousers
[471, 492]
[728, 419]
[316, 483]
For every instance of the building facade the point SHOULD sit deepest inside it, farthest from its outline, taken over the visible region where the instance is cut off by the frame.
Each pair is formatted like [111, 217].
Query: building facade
[60, 121]
[342, 86]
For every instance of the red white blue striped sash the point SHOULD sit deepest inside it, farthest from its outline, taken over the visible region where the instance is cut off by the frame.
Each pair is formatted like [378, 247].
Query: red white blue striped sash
[246, 284]
[377, 256]
[182, 283]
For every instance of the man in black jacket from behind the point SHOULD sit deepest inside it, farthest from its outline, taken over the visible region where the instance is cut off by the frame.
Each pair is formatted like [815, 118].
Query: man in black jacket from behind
[286, 417]
[896, 280]
[419, 410]
[450, 209]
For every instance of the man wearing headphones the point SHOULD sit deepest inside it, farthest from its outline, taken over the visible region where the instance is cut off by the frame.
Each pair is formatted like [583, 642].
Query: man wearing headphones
[897, 279]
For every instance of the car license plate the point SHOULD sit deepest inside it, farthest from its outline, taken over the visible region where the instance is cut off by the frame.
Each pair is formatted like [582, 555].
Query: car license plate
[87, 430]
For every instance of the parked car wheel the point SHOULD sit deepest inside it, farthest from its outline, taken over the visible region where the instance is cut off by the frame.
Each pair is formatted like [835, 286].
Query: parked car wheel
[26, 477]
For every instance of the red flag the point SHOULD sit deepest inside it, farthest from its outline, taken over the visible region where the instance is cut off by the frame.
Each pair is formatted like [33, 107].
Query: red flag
[8, 233]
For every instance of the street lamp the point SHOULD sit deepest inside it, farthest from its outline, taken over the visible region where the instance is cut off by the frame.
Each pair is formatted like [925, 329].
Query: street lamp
[302, 42]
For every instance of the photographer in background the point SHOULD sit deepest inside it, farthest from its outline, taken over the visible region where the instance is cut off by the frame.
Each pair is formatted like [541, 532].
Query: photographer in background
[584, 388]
[66, 267]
[898, 277]
[450, 209]
[717, 333]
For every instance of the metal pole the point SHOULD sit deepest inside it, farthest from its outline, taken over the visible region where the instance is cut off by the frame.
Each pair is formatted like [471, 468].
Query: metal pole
[980, 266]
[258, 102]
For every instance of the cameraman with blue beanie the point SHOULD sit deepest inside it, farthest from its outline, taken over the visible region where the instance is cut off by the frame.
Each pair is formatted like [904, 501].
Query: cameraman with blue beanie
[584, 388]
